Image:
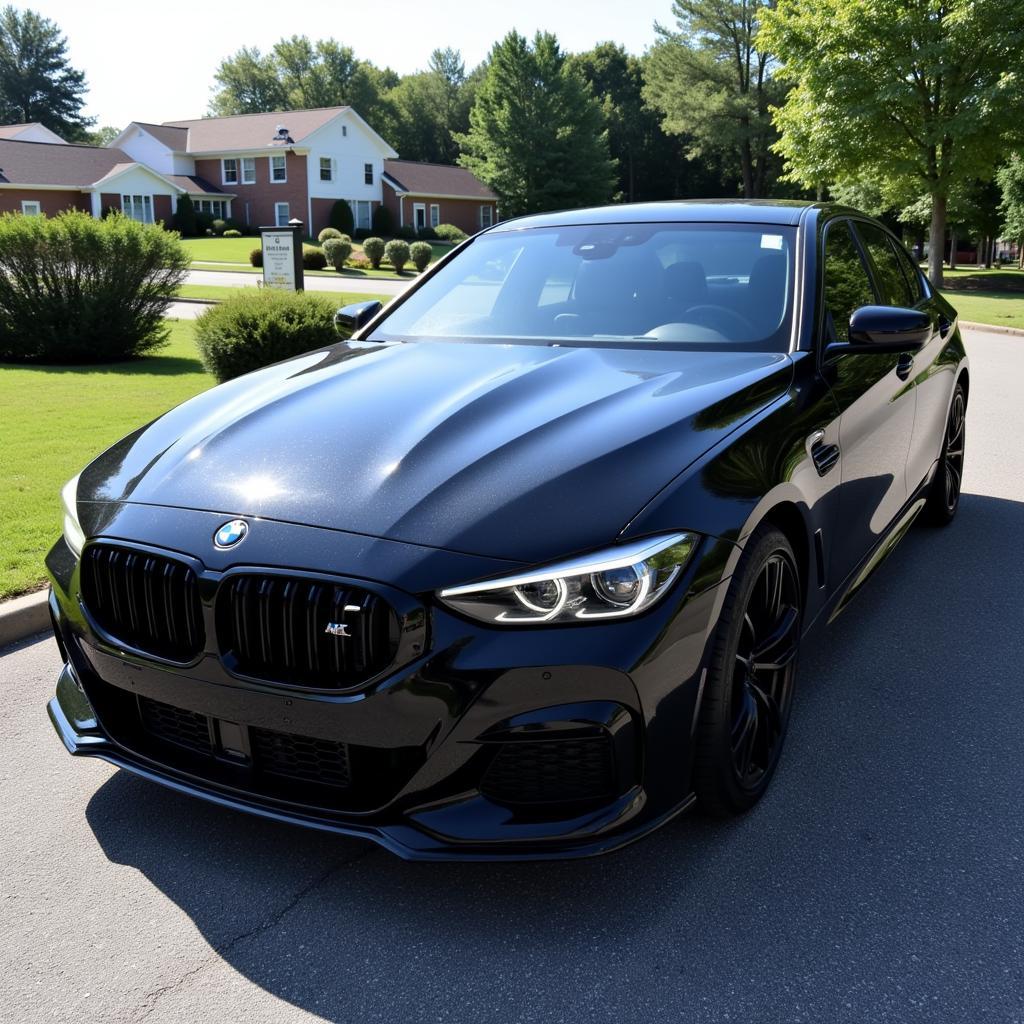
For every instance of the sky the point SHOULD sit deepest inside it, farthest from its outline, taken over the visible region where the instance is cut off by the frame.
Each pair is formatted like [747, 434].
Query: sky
[155, 62]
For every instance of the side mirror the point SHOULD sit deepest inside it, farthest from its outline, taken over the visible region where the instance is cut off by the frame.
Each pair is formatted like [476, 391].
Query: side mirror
[350, 319]
[875, 330]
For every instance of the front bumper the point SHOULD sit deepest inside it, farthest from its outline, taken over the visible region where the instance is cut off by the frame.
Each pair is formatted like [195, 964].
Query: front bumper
[424, 736]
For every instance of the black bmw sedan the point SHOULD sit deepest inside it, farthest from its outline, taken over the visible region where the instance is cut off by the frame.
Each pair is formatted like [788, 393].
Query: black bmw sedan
[521, 566]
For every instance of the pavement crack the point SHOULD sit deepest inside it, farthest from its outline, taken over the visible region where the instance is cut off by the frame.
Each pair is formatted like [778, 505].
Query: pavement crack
[153, 997]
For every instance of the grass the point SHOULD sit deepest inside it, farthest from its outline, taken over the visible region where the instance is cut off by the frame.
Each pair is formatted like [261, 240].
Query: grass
[218, 293]
[207, 253]
[1004, 309]
[57, 418]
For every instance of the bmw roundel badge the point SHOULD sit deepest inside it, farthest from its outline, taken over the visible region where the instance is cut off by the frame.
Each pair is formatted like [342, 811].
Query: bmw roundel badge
[230, 533]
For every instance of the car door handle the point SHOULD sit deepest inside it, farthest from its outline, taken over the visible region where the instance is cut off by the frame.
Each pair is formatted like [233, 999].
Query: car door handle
[824, 456]
[904, 365]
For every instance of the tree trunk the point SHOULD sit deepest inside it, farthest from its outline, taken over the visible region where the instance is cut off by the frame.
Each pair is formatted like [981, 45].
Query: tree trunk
[936, 240]
[952, 249]
[747, 162]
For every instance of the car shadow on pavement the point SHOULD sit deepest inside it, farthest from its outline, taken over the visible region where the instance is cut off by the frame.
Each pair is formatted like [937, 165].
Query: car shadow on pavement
[876, 878]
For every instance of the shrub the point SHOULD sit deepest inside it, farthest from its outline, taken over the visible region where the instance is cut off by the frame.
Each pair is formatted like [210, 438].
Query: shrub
[396, 252]
[218, 225]
[427, 233]
[406, 231]
[256, 257]
[313, 257]
[341, 217]
[360, 263]
[336, 251]
[185, 217]
[450, 233]
[421, 254]
[261, 327]
[328, 233]
[373, 249]
[232, 233]
[204, 222]
[383, 221]
[78, 290]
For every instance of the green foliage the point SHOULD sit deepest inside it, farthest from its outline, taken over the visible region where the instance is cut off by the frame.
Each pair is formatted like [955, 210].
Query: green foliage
[219, 226]
[329, 233]
[337, 250]
[261, 327]
[420, 253]
[373, 249]
[406, 231]
[102, 136]
[37, 82]
[313, 258]
[396, 252]
[232, 233]
[185, 217]
[537, 134]
[383, 221]
[341, 218]
[427, 233]
[921, 97]
[256, 257]
[1010, 178]
[711, 80]
[74, 289]
[450, 233]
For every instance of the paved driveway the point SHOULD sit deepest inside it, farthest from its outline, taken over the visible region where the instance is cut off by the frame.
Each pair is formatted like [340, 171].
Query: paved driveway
[881, 880]
[359, 285]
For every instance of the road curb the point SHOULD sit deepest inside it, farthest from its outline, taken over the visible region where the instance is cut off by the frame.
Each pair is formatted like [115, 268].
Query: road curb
[22, 616]
[992, 328]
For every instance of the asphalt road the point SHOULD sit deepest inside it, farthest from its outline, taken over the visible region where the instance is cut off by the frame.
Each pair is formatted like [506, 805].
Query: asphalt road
[881, 880]
[359, 285]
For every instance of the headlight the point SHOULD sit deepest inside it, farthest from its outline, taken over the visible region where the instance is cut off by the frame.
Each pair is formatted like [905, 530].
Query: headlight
[611, 584]
[72, 529]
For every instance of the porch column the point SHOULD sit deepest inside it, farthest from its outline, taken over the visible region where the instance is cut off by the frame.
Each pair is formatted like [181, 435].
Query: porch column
[95, 204]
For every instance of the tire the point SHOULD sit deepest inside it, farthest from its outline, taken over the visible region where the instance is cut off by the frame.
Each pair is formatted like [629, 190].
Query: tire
[944, 493]
[745, 708]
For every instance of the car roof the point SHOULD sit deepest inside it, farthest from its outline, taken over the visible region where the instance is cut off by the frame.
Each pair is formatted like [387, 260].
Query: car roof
[729, 211]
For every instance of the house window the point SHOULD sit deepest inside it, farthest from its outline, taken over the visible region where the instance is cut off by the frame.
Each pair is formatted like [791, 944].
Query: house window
[229, 171]
[486, 216]
[139, 208]
[435, 214]
[368, 174]
[419, 215]
[326, 168]
[278, 169]
[362, 211]
[344, 131]
[216, 208]
[248, 170]
[31, 207]
[281, 216]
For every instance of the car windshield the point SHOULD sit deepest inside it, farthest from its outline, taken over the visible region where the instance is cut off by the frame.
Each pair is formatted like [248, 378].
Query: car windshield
[665, 285]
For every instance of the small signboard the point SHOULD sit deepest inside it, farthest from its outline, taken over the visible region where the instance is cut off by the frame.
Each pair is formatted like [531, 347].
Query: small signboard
[282, 257]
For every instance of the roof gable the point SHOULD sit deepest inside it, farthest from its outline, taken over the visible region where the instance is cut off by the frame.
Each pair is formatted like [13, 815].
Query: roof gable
[423, 179]
[56, 164]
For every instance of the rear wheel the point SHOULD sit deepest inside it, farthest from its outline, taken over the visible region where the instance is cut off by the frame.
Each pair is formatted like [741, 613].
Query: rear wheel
[749, 689]
[944, 493]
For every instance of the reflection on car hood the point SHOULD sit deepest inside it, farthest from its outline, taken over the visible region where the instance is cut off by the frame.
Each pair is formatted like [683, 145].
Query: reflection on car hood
[525, 452]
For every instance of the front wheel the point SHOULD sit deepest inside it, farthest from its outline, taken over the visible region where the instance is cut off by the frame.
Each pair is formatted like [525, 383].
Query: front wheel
[749, 689]
[944, 494]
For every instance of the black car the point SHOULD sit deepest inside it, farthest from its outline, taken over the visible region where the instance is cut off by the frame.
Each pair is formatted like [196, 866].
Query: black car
[521, 568]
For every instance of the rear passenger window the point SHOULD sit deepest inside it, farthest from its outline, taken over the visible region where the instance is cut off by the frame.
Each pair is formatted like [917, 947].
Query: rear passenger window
[892, 283]
[847, 285]
[911, 271]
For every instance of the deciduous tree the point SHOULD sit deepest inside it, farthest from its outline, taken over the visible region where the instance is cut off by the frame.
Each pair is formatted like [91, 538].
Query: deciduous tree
[1010, 178]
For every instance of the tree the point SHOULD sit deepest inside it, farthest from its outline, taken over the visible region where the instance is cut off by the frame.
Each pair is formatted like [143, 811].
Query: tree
[37, 82]
[920, 95]
[102, 136]
[247, 83]
[711, 80]
[536, 134]
[1010, 178]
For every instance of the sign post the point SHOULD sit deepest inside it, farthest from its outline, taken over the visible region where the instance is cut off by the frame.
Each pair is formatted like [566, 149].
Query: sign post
[282, 256]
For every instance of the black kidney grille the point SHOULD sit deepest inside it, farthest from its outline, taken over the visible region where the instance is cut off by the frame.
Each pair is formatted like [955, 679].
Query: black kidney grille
[301, 757]
[146, 601]
[551, 771]
[176, 725]
[275, 628]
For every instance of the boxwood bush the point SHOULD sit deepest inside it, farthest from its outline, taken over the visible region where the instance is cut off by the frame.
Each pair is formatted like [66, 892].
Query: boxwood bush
[373, 250]
[256, 257]
[74, 289]
[420, 253]
[337, 250]
[261, 327]
[313, 257]
[232, 233]
[330, 233]
[396, 252]
[450, 233]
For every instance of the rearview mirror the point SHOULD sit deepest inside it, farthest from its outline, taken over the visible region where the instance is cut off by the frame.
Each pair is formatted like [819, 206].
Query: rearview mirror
[350, 319]
[878, 329]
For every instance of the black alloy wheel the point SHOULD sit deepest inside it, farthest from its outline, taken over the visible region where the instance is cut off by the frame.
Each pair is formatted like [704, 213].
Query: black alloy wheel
[749, 690]
[944, 496]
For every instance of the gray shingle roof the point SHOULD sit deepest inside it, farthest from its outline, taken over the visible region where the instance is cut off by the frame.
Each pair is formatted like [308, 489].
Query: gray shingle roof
[436, 179]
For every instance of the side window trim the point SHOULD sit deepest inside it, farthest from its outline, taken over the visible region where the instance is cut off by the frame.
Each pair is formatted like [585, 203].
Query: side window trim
[906, 261]
[865, 255]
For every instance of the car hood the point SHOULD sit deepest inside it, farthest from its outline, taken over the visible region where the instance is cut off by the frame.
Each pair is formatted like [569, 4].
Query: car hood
[522, 452]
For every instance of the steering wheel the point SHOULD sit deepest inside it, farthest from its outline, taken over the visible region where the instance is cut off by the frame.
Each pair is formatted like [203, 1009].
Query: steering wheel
[721, 319]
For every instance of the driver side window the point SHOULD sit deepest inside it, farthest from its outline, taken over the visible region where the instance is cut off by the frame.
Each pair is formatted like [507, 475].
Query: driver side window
[847, 286]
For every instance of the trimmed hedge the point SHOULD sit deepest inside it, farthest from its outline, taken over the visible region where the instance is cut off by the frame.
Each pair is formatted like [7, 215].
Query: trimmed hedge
[383, 221]
[74, 289]
[232, 233]
[341, 217]
[337, 250]
[256, 257]
[262, 327]
[420, 253]
[373, 249]
[328, 233]
[396, 252]
[313, 257]
[450, 233]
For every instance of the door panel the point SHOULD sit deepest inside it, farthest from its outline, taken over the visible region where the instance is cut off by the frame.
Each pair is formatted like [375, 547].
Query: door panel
[876, 411]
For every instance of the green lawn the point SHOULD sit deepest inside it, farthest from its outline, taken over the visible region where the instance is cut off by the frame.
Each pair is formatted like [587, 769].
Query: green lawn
[1009, 279]
[218, 293]
[1005, 309]
[57, 418]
